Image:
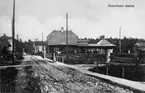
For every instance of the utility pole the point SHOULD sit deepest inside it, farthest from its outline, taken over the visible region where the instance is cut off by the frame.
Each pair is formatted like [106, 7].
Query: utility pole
[17, 44]
[66, 37]
[120, 40]
[34, 49]
[13, 31]
[121, 51]
[42, 42]
[43, 46]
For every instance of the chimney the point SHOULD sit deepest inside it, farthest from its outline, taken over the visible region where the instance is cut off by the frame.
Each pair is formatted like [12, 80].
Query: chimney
[4, 34]
[17, 37]
[102, 37]
[62, 29]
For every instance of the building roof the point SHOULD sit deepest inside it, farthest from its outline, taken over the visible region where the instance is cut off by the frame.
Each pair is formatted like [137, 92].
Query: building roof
[39, 43]
[101, 44]
[104, 42]
[59, 38]
[4, 41]
[5, 37]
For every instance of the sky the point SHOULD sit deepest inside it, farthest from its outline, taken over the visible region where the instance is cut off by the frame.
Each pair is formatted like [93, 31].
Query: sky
[87, 18]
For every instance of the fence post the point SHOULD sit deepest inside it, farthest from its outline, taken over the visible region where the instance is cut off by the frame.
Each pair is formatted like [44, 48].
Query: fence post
[123, 71]
[96, 65]
[106, 68]
[62, 60]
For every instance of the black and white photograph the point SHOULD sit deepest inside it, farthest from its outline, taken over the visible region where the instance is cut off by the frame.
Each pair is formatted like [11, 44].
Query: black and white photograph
[72, 46]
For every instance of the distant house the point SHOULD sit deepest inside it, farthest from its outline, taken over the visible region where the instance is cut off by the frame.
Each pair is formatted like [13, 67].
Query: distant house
[39, 46]
[5, 42]
[56, 40]
[141, 46]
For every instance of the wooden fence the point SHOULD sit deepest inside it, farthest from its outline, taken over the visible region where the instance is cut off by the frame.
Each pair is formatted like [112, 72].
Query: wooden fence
[86, 58]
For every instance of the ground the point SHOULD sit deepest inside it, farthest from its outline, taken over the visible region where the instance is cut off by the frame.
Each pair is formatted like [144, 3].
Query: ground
[38, 75]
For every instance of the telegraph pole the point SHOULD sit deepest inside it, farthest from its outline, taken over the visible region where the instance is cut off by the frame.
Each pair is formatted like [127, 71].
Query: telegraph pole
[123, 69]
[120, 40]
[13, 31]
[43, 46]
[42, 42]
[66, 37]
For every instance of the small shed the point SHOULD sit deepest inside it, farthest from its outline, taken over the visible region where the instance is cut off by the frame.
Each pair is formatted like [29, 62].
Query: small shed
[5, 44]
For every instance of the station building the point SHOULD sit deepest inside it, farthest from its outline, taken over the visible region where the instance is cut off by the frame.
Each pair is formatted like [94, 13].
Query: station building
[56, 41]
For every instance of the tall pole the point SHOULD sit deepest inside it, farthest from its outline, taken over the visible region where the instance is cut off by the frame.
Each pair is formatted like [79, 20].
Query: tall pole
[43, 46]
[34, 43]
[120, 40]
[66, 37]
[42, 42]
[13, 31]
[17, 44]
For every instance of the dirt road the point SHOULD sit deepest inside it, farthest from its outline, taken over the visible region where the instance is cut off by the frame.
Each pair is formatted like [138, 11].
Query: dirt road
[36, 75]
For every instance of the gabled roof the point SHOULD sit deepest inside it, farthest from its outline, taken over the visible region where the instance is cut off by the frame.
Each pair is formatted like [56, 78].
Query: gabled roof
[104, 42]
[59, 38]
[5, 37]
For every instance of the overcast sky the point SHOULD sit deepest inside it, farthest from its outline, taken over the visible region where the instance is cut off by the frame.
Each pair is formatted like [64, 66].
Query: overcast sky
[87, 18]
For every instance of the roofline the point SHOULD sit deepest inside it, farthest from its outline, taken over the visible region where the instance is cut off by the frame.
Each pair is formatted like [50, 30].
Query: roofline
[61, 44]
[82, 45]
